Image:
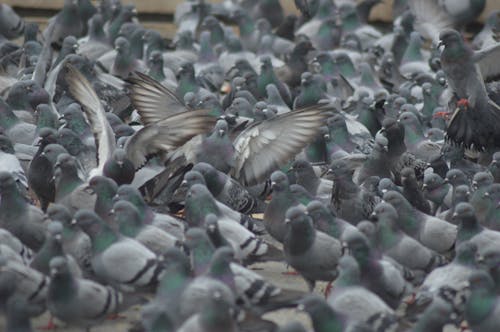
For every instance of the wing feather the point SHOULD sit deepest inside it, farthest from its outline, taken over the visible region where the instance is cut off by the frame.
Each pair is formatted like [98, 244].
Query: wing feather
[167, 134]
[84, 93]
[153, 101]
[263, 147]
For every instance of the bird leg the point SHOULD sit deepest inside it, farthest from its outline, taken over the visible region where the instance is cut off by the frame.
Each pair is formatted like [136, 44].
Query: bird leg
[464, 103]
[50, 325]
[115, 317]
[328, 289]
[444, 115]
[411, 300]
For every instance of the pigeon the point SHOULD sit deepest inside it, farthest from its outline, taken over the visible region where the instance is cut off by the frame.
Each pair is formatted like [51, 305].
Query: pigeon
[437, 191]
[282, 199]
[129, 223]
[475, 128]
[19, 313]
[226, 190]
[110, 251]
[17, 216]
[306, 177]
[412, 192]
[199, 203]
[52, 248]
[325, 318]
[432, 232]
[482, 304]
[494, 167]
[216, 315]
[312, 253]
[327, 222]
[399, 246]
[380, 276]
[470, 230]
[350, 297]
[75, 242]
[81, 302]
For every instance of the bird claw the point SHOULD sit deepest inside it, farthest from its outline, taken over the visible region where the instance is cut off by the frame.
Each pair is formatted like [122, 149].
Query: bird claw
[463, 102]
[444, 115]
[115, 317]
[50, 325]
[328, 289]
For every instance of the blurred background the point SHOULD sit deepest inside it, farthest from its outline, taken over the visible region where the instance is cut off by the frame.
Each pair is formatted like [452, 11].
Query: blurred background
[158, 14]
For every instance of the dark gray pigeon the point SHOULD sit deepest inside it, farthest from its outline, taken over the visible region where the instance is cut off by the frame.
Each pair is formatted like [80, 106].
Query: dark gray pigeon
[312, 253]
[22, 219]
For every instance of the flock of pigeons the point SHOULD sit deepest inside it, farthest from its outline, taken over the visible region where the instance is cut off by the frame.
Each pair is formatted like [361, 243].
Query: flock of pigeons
[133, 168]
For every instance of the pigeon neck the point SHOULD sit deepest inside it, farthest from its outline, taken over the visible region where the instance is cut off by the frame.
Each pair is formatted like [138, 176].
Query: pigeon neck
[408, 217]
[216, 318]
[104, 239]
[62, 287]
[12, 204]
[246, 26]
[300, 237]
[7, 118]
[196, 211]
[479, 305]
[174, 279]
[156, 71]
[327, 223]
[467, 229]
[201, 256]
[325, 319]
[386, 237]
[413, 135]
[68, 181]
[215, 182]
[129, 226]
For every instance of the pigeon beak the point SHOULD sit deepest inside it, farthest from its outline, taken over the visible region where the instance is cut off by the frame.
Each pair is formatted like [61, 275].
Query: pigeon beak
[287, 221]
[73, 221]
[211, 228]
[111, 212]
[301, 307]
[374, 216]
[221, 132]
[58, 237]
[474, 184]
[384, 191]
[273, 184]
[89, 190]
[424, 186]
[440, 44]
[184, 182]
[486, 194]
[480, 259]
[290, 170]
[454, 215]
[446, 181]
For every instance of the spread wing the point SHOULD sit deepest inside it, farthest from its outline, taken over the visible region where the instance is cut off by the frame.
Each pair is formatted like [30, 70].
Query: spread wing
[153, 101]
[487, 59]
[167, 134]
[264, 147]
[430, 18]
[83, 92]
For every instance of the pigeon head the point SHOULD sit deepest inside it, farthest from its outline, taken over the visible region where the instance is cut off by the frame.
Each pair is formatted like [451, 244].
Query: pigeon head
[65, 162]
[435, 134]
[73, 112]
[101, 184]
[462, 193]
[481, 280]
[340, 169]
[7, 182]
[301, 167]
[465, 213]
[59, 212]
[224, 255]
[58, 266]
[393, 130]
[70, 44]
[211, 223]
[209, 22]
[279, 181]
[296, 216]
[493, 193]
[397, 200]
[408, 118]
[490, 258]
[122, 45]
[316, 210]
[482, 179]
[204, 169]
[193, 177]
[55, 229]
[6, 145]
[314, 305]
[197, 191]
[385, 185]
[125, 212]
[130, 194]
[432, 181]
[407, 175]
[384, 211]
[336, 122]
[359, 247]
[26, 95]
[450, 38]
[156, 57]
[455, 177]
[300, 193]
[88, 221]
